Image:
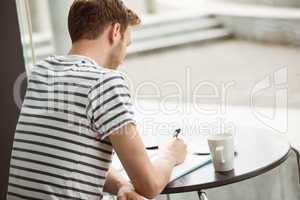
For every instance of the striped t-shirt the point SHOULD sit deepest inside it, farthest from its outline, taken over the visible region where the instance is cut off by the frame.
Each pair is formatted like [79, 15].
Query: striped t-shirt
[61, 149]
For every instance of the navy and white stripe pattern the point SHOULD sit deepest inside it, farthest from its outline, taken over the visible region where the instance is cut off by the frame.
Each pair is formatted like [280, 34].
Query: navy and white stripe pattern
[61, 149]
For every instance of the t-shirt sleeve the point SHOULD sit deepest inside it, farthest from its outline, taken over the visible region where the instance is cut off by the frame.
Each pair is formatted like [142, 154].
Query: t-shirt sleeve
[110, 104]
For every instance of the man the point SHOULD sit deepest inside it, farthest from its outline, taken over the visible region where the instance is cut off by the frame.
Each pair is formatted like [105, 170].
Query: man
[77, 110]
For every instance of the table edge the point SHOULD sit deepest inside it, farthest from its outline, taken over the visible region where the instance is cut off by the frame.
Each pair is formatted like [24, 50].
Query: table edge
[236, 179]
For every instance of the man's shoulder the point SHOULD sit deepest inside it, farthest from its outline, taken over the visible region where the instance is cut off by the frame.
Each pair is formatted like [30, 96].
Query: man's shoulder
[110, 77]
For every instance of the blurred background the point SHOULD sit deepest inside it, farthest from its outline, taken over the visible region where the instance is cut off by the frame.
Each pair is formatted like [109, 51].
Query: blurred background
[232, 43]
[219, 40]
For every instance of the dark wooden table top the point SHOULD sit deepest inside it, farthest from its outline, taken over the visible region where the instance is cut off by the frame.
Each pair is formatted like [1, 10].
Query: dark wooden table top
[258, 152]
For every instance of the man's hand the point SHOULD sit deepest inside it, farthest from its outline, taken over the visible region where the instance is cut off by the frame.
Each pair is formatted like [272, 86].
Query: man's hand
[127, 193]
[176, 149]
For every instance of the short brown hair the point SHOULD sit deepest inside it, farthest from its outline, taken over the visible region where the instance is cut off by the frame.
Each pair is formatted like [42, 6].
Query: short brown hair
[88, 18]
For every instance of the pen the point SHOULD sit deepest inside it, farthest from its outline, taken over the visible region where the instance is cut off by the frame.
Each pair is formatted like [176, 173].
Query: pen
[177, 132]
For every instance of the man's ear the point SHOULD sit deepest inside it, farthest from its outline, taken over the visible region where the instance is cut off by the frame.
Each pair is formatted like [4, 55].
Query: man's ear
[115, 33]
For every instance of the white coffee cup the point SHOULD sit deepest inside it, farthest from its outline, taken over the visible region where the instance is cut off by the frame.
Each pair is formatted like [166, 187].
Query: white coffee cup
[221, 147]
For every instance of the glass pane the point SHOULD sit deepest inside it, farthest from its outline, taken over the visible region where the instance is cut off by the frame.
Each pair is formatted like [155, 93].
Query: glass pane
[220, 41]
[24, 32]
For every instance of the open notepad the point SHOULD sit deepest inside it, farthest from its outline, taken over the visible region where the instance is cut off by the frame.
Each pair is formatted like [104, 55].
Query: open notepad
[192, 163]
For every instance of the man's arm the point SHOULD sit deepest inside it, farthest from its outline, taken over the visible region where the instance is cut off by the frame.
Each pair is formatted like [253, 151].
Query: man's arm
[148, 179]
[113, 110]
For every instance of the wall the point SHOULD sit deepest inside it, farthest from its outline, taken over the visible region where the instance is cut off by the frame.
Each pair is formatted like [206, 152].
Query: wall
[282, 28]
[12, 65]
[281, 31]
[59, 17]
[286, 3]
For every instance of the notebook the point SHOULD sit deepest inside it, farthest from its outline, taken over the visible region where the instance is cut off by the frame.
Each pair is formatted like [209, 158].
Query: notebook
[192, 163]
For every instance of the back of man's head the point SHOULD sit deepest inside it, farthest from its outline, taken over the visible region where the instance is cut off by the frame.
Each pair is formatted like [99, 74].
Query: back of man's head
[89, 18]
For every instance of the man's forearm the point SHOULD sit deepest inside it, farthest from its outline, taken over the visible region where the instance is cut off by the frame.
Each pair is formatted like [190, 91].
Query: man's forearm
[163, 165]
[114, 181]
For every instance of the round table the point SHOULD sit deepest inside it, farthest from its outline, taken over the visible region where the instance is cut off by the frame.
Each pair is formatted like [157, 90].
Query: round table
[258, 151]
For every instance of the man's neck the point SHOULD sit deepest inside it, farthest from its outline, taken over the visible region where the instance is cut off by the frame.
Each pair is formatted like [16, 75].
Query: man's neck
[89, 50]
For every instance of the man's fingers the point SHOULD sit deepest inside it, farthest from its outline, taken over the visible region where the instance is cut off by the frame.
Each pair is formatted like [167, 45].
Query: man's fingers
[122, 197]
[135, 197]
[132, 197]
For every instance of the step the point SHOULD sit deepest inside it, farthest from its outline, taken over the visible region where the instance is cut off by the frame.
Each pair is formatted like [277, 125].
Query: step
[41, 52]
[179, 39]
[174, 28]
[43, 46]
[171, 17]
[237, 9]
[39, 39]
